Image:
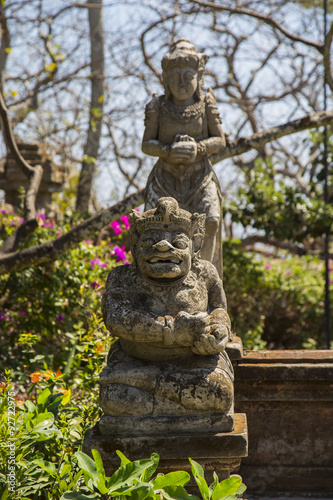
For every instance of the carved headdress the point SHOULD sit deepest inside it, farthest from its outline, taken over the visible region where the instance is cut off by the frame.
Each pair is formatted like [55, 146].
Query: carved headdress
[183, 53]
[167, 216]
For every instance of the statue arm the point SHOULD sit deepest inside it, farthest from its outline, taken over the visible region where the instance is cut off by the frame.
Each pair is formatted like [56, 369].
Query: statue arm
[219, 321]
[151, 145]
[216, 140]
[124, 321]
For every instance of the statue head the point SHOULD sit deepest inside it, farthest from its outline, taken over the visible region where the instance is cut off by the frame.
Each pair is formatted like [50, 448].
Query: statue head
[183, 57]
[165, 240]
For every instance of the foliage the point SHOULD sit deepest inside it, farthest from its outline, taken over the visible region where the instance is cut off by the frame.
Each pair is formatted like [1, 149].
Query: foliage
[57, 306]
[275, 303]
[47, 435]
[281, 211]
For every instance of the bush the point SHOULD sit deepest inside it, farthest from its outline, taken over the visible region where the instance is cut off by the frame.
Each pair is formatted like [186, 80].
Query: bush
[274, 303]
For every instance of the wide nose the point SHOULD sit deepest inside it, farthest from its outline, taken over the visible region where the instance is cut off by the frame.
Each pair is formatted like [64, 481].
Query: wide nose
[182, 78]
[162, 246]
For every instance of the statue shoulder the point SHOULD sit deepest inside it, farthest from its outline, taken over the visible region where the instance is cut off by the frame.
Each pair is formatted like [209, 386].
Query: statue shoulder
[153, 108]
[121, 277]
[209, 273]
[211, 107]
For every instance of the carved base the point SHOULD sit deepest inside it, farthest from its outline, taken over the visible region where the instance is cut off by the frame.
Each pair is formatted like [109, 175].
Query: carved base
[221, 451]
[177, 424]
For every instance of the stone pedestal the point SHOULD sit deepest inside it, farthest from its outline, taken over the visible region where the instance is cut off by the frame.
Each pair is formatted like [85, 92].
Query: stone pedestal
[215, 451]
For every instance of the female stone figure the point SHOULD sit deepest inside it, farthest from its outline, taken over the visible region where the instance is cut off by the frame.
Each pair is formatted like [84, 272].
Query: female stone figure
[183, 128]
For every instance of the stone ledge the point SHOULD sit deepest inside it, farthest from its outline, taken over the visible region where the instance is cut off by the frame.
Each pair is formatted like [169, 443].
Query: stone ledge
[220, 452]
[161, 425]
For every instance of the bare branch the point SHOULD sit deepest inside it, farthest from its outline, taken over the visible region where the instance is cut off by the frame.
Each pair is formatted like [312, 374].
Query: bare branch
[244, 144]
[283, 245]
[261, 17]
[52, 249]
[143, 48]
[4, 46]
[128, 177]
[327, 60]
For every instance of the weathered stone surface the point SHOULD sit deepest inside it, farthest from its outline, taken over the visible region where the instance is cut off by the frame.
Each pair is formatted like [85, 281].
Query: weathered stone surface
[183, 128]
[288, 399]
[219, 452]
[168, 310]
[188, 424]
[234, 349]
[12, 178]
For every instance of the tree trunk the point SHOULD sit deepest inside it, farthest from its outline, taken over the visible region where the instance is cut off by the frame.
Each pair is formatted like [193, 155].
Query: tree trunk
[84, 192]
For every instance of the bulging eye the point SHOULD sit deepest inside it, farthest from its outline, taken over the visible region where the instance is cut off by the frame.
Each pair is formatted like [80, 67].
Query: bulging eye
[180, 243]
[148, 242]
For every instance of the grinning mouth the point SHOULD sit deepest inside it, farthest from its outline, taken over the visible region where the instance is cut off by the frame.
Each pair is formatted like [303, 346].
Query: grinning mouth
[167, 259]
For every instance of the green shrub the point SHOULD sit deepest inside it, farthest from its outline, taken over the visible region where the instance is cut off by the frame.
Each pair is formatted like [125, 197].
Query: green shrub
[275, 303]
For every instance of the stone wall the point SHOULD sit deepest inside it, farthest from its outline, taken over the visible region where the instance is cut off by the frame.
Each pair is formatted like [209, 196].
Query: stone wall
[288, 399]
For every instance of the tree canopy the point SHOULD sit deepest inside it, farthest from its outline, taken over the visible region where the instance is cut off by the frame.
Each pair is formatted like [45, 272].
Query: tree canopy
[76, 76]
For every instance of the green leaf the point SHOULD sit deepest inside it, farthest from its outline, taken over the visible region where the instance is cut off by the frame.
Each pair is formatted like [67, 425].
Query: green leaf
[214, 484]
[29, 405]
[42, 398]
[98, 462]
[241, 489]
[227, 487]
[148, 473]
[198, 474]
[177, 493]
[100, 484]
[197, 468]
[124, 476]
[139, 491]
[76, 495]
[47, 466]
[123, 459]
[87, 464]
[178, 478]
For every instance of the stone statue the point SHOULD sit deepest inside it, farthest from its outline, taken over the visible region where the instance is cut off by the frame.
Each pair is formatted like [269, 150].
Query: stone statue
[182, 128]
[168, 309]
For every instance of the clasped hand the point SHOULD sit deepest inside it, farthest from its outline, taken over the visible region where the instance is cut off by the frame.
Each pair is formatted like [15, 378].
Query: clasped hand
[183, 150]
[200, 332]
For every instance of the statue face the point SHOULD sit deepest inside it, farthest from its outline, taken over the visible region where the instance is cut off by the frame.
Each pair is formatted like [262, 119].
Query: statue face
[164, 255]
[183, 82]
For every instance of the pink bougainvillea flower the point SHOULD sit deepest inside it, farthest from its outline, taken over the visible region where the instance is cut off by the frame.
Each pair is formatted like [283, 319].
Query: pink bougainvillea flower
[119, 253]
[94, 285]
[288, 271]
[267, 266]
[124, 218]
[97, 261]
[116, 227]
[126, 262]
[22, 313]
[60, 317]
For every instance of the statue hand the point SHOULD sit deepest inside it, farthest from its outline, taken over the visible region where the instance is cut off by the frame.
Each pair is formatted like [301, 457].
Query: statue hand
[190, 326]
[209, 344]
[183, 151]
